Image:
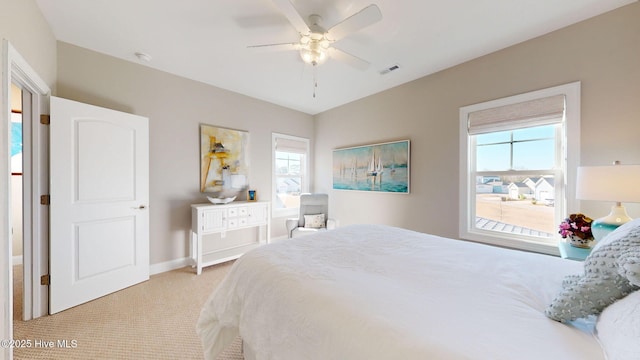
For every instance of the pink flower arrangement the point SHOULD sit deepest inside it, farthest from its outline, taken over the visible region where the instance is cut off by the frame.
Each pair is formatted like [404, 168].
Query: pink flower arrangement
[576, 225]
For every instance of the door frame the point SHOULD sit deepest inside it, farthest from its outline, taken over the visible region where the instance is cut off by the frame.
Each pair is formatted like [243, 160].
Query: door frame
[35, 253]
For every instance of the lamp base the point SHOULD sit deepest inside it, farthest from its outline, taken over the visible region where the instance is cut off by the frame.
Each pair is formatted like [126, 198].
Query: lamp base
[603, 226]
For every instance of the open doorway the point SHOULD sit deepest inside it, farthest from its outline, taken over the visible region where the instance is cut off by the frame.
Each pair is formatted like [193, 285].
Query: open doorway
[28, 236]
[17, 232]
[34, 98]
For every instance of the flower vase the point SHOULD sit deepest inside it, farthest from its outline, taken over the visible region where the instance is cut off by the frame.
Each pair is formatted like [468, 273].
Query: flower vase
[579, 242]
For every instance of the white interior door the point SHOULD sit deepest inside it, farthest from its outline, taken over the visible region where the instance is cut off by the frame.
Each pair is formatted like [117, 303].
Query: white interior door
[99, 217]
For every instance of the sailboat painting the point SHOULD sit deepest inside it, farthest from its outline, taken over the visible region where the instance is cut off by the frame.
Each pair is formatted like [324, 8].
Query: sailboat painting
[379, 167]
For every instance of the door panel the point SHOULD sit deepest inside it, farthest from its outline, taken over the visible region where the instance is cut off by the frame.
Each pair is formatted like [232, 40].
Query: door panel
[104, 246]
[113, 148]
[99, 202]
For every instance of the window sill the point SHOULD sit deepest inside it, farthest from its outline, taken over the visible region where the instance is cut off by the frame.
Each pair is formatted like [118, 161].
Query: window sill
[513, 242]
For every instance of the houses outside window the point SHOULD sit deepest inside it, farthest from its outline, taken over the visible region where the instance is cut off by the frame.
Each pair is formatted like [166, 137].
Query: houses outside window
[290, 173]
[518, 167]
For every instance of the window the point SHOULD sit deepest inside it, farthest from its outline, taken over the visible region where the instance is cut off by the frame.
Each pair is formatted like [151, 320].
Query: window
[519, 167]
[290, 173]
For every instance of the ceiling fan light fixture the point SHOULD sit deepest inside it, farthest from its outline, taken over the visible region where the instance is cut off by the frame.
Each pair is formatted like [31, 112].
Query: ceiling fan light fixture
[314, 53]
[316, 36]
[313, 57]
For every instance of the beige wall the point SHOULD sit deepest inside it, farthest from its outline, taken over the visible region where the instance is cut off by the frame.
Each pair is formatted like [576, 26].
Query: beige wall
[175, 107]
[22, 23]
[603, 53]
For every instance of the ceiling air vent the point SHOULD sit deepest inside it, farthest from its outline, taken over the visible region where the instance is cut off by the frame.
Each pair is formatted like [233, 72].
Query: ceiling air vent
[390, 69]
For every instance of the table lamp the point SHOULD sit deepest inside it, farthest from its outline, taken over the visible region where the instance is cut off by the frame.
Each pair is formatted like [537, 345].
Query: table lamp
[619, 183]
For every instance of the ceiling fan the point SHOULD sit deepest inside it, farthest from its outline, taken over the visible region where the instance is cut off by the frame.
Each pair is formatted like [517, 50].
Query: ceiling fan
[315, 41]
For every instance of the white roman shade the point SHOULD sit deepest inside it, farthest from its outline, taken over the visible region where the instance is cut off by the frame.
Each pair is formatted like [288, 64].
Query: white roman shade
[538, 112]
[290, 145]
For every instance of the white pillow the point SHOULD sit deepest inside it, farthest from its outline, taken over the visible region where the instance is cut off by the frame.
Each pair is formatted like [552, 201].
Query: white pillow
[618, 328]
[314, 221]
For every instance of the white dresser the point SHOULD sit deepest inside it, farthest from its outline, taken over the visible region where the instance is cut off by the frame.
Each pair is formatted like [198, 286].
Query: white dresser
[219, 219]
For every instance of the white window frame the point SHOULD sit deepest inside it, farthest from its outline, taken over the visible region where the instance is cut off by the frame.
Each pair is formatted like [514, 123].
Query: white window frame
[565, 201]
[289, 212]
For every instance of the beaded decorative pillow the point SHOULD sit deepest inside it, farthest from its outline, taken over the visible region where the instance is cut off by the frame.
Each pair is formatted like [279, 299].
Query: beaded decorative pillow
[314, 221]
[611, 271]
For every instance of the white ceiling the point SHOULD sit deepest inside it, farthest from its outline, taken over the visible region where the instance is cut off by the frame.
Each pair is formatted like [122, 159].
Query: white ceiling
[206, 40]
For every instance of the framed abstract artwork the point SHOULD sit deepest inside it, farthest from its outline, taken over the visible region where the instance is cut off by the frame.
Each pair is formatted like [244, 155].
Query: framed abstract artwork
[224, 161]
[378, 167]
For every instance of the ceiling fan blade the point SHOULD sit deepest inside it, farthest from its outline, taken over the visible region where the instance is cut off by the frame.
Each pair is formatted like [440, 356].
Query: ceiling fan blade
[294, 17]
[365, 17]
[349, 59]
[276, 47]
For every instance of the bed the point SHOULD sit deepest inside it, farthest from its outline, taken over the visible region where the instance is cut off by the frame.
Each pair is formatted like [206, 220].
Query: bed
[379, 292]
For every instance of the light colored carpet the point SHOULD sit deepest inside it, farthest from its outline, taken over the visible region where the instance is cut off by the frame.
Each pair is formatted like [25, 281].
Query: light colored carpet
[152, 320]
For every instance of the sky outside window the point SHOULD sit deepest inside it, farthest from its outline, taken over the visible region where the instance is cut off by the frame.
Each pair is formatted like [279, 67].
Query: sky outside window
[533, 149]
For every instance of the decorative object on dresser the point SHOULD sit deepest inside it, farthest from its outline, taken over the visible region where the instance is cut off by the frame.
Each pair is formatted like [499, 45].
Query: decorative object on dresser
[577, 228]
[224, 161]
[379, 167]
[252, 195]
[615, 182]
[314, 216]
[209, 219]
[219, 201]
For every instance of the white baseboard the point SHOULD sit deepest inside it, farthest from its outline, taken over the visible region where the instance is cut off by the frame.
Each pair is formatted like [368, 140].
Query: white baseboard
[169, 265]
[159, 268]
[17, 260]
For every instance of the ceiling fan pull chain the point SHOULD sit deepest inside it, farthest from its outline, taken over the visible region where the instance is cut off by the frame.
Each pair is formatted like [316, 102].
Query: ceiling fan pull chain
[315, 81]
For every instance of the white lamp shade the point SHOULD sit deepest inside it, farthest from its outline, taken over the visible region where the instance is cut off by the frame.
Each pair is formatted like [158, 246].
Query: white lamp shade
[619, 183]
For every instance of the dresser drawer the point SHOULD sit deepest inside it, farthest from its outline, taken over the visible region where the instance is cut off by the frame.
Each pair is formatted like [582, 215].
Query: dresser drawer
[243, 211]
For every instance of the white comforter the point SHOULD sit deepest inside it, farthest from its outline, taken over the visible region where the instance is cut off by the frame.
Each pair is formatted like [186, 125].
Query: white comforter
[376, 292]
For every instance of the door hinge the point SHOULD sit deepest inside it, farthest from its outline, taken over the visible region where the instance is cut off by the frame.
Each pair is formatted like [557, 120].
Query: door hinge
[45, 119]
[45, 280]
[45, 199]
